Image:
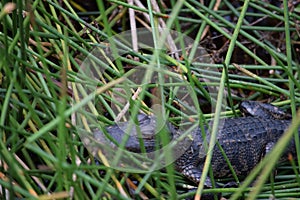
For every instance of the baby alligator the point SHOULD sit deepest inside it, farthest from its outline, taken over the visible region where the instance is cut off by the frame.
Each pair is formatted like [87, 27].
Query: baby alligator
[245, 141]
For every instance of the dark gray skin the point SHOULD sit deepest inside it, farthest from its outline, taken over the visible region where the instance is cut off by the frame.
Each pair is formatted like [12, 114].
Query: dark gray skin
[245, 140]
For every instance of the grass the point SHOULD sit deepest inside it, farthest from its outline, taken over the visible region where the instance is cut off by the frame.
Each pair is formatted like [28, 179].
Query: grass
[54, 92]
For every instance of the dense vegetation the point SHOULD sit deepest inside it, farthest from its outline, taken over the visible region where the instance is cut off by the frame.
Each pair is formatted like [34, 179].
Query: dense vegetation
[63, 67]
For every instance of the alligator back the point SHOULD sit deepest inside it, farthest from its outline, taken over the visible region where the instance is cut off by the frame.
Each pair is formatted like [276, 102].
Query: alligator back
[245, 142]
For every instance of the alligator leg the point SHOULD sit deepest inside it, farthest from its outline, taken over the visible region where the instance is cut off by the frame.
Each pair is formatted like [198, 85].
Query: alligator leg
[194, 174]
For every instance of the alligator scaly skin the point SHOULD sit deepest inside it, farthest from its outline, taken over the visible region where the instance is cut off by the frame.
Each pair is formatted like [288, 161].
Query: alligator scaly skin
[245, 141]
